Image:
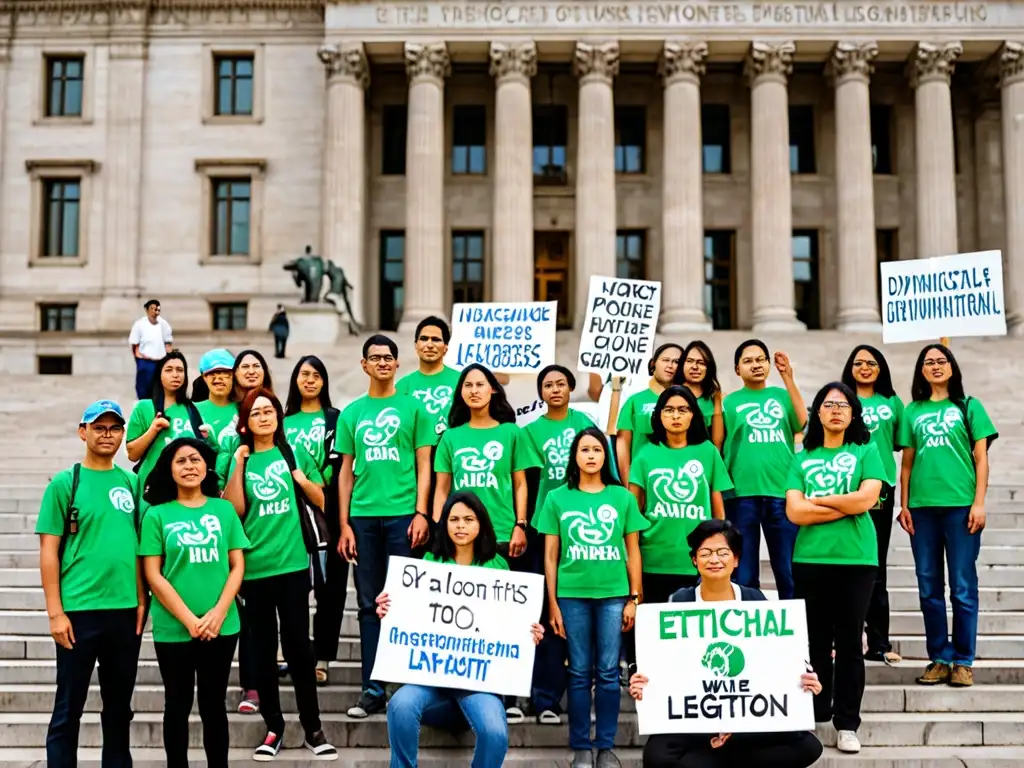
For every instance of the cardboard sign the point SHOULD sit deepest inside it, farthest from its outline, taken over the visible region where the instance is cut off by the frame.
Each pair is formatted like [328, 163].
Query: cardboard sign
[729, 667]
[514, 337]
[457, 626]
[960, 295]
[618, 333]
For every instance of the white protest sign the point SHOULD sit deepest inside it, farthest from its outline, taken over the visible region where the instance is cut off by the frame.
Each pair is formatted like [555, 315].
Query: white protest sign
[458, 626]
[511, 337]
[960, 295]
[618, 333]
[728, 667]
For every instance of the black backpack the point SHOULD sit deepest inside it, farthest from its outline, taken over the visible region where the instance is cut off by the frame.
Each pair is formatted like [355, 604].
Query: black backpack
[71, 516]
[331, 457]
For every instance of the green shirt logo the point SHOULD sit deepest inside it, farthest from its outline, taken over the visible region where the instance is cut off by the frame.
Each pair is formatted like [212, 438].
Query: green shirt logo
[556, 453]
[589, 533]
[312, 439]
[873, 417]
[829, 477]
[122, 500]
[478, 466]
[269, 486]
[436, 401]
[936, 426]
[200, 541]
[723, 660]
[377, 434]
[675, 489]
[764, 420]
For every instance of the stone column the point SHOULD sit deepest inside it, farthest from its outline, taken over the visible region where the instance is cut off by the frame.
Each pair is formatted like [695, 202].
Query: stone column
[768, 68]
[931, 67]
[1013, 183]
[5, 66]
[852, 66]
[427, 65]
[682, 198]
[512, 66]
[595, 64]
[344, 198]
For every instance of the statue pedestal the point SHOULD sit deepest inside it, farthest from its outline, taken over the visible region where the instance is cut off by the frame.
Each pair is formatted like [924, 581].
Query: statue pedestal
[312, 323]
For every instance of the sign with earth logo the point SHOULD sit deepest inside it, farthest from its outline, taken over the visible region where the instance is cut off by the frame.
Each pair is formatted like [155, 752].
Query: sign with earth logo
[728, 667]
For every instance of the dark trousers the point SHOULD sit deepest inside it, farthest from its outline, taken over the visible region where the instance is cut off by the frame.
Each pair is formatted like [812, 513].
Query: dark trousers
[750, 514]
[377, 540]
[657, 589]
[330, 596]
[794, 749]
[145, 371]
[280, 342]
[878, 609]
[246, 675]
[266, 599]
[196, 669]
[107, 637]
[837, 598]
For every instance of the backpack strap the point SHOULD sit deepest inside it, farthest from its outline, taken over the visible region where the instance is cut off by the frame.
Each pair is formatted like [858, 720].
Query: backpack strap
[195, 419]
[71, 513]
[331, 458]
[962, 406]
[289, 456]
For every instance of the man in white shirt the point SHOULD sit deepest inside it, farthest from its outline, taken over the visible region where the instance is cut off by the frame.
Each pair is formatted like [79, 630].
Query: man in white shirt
[150, 339]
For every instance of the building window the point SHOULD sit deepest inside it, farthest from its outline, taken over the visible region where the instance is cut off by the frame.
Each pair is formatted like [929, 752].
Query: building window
[718, 285]
[801, 139]
[230, 316]
[467, 267]
[65, 82]
[232, 199]
[716, 135]
[61, 217]
[881, 139]
[630, 139]
[629, 254]
[393, 144]
[887, 245]
[235, 74]
[53, 365]
[469, 139]
[805, 275]
[55, 318]
[392, 278]
[550, 139]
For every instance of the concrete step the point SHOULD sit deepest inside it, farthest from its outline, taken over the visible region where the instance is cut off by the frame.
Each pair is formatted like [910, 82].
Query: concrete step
[989, 646]
[19, 541]
[990, 555]
[897, 576]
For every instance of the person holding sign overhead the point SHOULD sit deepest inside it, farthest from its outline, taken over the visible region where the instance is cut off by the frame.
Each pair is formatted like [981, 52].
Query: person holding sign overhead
[698, 372]
[716, 547]
[832, 484]
[634, 424]
[592, 565]
[465, 536]
[945, 436]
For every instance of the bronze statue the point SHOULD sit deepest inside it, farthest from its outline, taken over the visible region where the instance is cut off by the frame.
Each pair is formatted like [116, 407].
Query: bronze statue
[338, 288]
[308, 273]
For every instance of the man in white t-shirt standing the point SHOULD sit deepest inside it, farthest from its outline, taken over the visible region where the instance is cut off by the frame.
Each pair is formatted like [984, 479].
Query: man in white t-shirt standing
[150, 339]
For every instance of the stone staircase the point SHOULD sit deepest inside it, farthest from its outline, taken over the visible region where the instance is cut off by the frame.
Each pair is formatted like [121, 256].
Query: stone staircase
[904, 725]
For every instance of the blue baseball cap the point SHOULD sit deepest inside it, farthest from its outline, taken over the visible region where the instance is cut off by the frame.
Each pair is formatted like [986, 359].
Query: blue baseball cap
[216, 360]
[99, 408]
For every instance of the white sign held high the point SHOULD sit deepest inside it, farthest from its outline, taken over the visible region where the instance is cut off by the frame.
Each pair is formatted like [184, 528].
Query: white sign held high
[618, 333]
[457, 626]
[512, 337]
[729, 667]
[959, 295]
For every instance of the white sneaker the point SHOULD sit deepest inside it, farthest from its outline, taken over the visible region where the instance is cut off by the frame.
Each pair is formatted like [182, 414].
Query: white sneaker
[514, 715]
[848, 742]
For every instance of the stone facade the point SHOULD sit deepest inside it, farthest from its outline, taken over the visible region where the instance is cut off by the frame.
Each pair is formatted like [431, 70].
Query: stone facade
[148, 149]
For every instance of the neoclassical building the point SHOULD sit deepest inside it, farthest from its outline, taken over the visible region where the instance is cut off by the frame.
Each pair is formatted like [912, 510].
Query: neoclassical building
[759, 158]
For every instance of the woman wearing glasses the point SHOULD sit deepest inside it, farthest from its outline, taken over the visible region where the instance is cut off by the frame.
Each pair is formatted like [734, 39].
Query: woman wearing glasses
[832, 484]
[698, 372]
[945, 437]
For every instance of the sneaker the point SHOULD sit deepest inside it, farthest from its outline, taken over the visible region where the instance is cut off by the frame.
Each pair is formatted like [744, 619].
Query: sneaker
[583, 758]
[549, 717]
[961, 676]
[317, 744]
[848, 742]
[269, 749]
[367, 705]
[321, 676]
[514, 715]
[282, 669]
[250, 703]
[889, 658]
[934, 674]
[607, 759]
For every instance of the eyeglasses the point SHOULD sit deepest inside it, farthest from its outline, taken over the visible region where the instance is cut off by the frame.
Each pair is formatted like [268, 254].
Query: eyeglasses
[696, 362]
[671, 410]
[752, 360]
[374, 359]
[862, 363]
[705, 554]
[113, 430]
[929, 363]
[831, 405]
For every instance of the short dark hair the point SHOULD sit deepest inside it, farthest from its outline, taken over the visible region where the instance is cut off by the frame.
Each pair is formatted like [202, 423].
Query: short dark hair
[446, 332]
[883, 384]
[554, 369]
[857, 433]
[380, 340]
[485, 546]
[151, 303]
[160, 485]
[572, 469]
[749, 343]
[697, 432]
[709, 528]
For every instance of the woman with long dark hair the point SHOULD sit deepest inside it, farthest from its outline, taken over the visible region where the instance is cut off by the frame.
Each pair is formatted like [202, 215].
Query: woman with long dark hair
[192, 544]
[945, 435]
[698, 372]
[250, 371]
[832, 484]
[592, 565]
[867, 373]
[633, 426]
[265, 494]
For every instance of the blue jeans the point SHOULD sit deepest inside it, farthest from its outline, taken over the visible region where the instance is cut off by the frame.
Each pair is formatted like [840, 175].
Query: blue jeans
[413, 705]
[145, 371]
[377, 539]
[750, 514]
[939, 530]
[593, 628]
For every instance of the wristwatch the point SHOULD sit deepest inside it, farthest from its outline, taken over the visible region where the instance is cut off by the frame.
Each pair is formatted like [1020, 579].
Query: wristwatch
[521, 524]
[635, 598]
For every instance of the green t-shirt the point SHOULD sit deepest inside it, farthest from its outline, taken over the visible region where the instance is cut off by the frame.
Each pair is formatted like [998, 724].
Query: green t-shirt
[592, 528]
[882, 417]
[434, 392]
[707, 410]
[97, 571]
[308, 431]
[222, 419]
[194, 543]
[497, 562]
[759, 429]
[181, 426]
[635, 416]
[943, 474]
[550, 441]
[272, 520]
[482, 461]
[382, 434]
[677, 485]
[851, 540]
